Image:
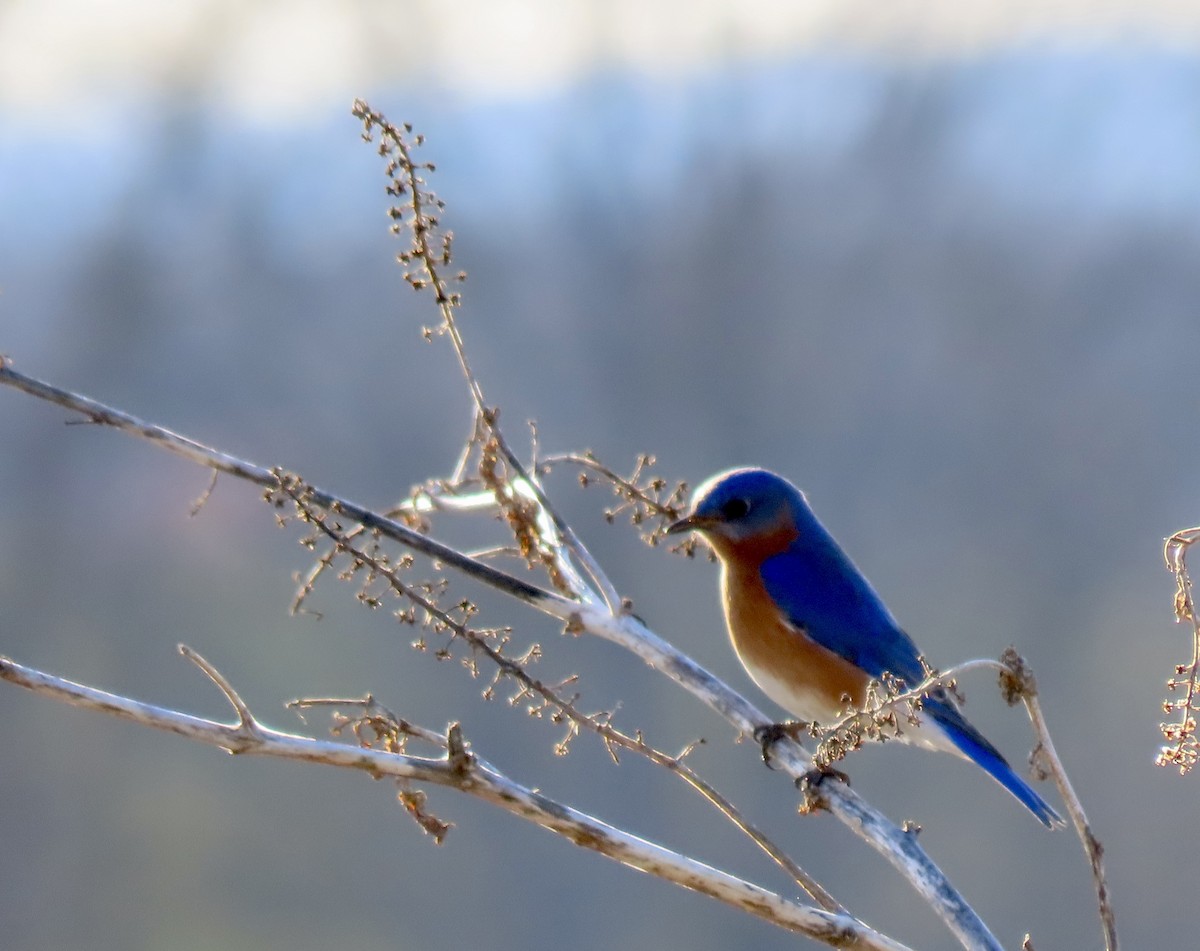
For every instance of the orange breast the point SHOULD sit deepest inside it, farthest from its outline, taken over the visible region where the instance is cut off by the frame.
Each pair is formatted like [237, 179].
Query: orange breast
[800, 675]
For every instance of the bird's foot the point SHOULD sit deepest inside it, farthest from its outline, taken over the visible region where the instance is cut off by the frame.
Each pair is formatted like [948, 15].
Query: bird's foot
[809, 785]
[767, 736]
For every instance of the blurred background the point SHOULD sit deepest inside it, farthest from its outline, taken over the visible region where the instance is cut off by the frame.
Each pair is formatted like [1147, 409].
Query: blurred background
[935, 262]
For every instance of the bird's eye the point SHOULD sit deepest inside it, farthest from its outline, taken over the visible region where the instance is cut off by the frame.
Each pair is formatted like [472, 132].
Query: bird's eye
[735, 508]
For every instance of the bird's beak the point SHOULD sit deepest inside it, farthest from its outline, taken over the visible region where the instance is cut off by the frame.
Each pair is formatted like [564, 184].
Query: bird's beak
[692, 523]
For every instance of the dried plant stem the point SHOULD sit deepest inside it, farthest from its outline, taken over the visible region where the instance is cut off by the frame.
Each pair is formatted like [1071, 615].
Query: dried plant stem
[424, 225]
[1018, 684]
[462, 771]
[1182, 749]
[203, 455]
[614, 739]
[629, 487]
[614, 622]
[895, 845]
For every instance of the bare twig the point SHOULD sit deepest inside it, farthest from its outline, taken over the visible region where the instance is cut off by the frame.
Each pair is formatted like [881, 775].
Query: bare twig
[894, 844]
[653, 499]
[197, 452]
[245, 718]
[1183, 748]
[430, 251]
[891, 842]
[468, 774]
[372, 710]
[613, 738]
[204, 496]
[1018, 683]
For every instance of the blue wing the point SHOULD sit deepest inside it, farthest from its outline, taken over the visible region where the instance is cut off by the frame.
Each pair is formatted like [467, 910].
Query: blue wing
[819, 589]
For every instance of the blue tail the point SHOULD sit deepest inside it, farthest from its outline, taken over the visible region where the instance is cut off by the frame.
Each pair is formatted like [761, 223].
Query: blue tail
[978, 749]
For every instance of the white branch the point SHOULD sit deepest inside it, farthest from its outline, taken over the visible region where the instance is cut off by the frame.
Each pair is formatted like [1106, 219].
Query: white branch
[211, 458]
[898, 847]
[462, 771]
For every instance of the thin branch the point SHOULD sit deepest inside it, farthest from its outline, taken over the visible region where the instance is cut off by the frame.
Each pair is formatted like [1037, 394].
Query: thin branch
[245, 717]
[892, 843]
[1018, 683]
[204, 496]
[203, 455]
[594, 571]
[466, 773]
[810, 885]
[372, 709]
[460, 467]
[899, 847]
[1182, 749]
[652, 499]
[613, 738]
[424, 226]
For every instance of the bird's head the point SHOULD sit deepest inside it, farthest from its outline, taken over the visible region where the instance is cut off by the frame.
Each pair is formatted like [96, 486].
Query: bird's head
[744, 507]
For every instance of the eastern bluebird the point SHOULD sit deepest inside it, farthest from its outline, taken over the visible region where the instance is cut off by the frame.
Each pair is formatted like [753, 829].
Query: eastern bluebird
[809, 628]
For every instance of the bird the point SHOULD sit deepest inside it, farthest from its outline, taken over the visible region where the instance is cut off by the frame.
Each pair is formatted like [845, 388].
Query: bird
[808, 626]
